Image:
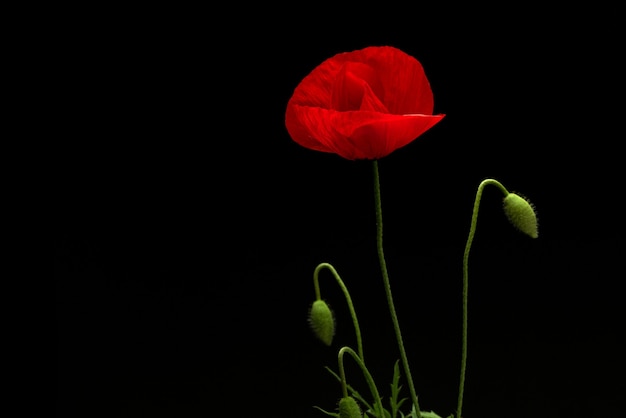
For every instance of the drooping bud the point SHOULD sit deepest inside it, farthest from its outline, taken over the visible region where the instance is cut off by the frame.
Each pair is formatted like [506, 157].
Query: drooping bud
[348, 408]
[322, 321]
[521, 214]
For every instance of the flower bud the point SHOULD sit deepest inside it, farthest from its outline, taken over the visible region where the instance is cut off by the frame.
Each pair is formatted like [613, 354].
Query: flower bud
[348, 408]
[322, 321]
[521, 214]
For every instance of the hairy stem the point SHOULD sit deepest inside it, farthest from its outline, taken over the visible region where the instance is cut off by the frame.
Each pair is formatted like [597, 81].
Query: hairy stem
[355, 321]
[366, 373]
[392, 309]
[468, 246]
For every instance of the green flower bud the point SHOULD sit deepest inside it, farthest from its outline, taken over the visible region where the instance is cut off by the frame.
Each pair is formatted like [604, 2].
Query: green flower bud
[348, 408]
[521, 214]
[322, 321]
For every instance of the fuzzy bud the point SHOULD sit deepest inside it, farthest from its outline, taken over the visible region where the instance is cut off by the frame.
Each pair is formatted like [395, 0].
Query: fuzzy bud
[348, 408]
[521, 214]
[322, 321]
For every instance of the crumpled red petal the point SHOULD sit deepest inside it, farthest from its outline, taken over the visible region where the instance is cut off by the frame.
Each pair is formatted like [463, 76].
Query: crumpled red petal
[362, 104]
[356, 135]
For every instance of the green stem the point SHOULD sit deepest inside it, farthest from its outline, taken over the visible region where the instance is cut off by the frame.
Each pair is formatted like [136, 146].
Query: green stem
[366, 373]
[392, 309]
[355, 321]
[468, 246]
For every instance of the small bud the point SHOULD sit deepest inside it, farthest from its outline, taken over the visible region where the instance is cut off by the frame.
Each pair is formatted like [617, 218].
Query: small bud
[322, 321]
[348, 408]
[521, 214]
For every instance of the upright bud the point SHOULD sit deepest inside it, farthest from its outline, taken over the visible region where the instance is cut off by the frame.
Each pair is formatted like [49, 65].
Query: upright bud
[348, 408]
[521, 214]
[322, 321]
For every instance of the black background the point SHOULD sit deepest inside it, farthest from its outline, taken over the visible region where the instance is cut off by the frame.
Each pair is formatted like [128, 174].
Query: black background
[187, 223]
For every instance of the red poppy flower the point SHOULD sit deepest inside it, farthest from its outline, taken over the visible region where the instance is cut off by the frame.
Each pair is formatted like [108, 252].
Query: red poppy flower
[363, 104]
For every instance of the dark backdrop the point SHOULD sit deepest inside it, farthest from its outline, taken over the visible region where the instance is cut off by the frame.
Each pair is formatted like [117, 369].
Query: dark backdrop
[187, 224]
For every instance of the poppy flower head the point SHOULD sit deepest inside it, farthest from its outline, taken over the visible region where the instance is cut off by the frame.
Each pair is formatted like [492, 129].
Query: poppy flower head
[363, 104]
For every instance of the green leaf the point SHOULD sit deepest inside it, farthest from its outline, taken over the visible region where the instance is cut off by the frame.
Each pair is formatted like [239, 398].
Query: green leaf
[373, 413]
[331, 414]
[394, 403]
[430, 414]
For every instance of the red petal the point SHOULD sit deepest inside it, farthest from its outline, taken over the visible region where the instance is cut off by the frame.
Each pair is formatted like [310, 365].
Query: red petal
[362, 104]
[357, 87]
[406, 88]
[387, 134]
[399, 82]
[355, 135]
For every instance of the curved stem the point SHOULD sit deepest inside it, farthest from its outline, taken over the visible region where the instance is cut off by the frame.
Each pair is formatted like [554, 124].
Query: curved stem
[392, 309]
[468, 246]
[366, 373]
[355, 321]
